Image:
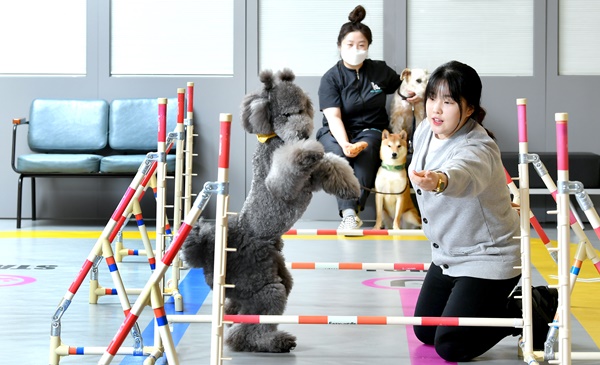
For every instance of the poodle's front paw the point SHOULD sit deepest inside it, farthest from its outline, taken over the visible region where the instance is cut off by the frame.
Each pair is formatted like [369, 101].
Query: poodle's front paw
[283, 342]
[308, 159]
[309, 155]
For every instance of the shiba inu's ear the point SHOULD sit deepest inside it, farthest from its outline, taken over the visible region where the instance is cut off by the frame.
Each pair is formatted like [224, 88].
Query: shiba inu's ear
[403, 135]
[385, 134]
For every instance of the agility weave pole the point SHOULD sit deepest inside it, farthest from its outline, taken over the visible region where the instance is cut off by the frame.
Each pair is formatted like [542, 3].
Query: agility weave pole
[562, 321]
[222, 189]
[526, 344]
[563, 222]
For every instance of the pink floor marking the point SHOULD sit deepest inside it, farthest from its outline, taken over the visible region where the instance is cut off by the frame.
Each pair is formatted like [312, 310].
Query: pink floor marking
[419, 353]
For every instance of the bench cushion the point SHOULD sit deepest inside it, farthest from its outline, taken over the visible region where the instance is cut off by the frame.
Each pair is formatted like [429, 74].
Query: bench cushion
[58, 163]
[129, 163]
[133, 123]
[76, 126]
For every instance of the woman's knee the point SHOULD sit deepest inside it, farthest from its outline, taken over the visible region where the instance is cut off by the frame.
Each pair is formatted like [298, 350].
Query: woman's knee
[425, 334]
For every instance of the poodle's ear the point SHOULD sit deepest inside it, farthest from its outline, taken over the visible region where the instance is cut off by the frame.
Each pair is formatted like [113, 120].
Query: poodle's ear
[256, 111]
[266, 77]
[256, 115]
[286, 75]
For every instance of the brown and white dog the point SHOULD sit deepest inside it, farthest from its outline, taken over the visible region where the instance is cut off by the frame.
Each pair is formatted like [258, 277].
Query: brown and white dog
[403, 112]
[393, 202]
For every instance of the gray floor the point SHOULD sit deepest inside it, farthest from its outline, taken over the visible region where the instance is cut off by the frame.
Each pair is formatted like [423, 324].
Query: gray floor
[52, 263]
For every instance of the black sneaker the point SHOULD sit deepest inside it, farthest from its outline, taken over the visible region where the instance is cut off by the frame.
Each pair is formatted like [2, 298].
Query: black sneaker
[544, 302]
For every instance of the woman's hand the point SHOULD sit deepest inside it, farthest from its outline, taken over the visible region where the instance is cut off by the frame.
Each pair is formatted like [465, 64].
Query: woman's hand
[353, 149]
[413, 98]
[427, 180]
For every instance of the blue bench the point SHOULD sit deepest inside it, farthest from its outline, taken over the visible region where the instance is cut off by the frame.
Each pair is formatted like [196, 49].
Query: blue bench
[87, 138]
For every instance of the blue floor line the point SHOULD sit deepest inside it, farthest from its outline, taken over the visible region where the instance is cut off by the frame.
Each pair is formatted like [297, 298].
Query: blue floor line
[194, 290]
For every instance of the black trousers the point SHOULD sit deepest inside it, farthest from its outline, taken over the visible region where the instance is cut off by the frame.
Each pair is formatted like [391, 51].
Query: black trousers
[446, 296]
[365, 165]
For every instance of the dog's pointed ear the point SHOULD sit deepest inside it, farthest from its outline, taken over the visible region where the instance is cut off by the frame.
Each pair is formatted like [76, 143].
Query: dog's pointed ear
[405, 74]
[385, 134]
[403, 135]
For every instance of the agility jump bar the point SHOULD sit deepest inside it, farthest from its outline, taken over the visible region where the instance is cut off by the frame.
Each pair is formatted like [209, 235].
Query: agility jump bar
[353, 320]
[355, 232]
[392, 266]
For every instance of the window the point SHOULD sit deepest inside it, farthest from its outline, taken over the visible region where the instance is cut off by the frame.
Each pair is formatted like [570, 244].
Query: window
[302, 35]
[42, 37]
[494, 37]
[578, 29]
[171, 37]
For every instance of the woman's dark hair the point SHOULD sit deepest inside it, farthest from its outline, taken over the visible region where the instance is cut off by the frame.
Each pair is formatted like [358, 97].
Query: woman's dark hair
[355, 24]
[463, 82]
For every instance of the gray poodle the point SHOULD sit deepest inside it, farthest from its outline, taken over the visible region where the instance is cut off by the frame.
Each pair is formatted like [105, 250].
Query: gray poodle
[287, 168]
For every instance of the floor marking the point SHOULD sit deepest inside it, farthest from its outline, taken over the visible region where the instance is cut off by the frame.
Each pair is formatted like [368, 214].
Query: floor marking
[419, 353]
[69, 234]
[584, 298]
[194, 290]
[14, 280]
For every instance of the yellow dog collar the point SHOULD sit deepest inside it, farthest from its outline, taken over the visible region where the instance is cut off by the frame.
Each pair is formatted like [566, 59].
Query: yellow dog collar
[262, 138]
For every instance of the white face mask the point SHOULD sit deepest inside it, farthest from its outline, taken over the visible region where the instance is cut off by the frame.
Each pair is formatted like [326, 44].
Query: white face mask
[353, 56]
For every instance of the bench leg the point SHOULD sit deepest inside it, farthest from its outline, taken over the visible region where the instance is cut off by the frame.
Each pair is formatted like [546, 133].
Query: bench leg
[33, 213]
[19, 200]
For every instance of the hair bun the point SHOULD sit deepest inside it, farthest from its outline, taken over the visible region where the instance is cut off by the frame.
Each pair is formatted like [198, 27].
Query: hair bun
[358, 14]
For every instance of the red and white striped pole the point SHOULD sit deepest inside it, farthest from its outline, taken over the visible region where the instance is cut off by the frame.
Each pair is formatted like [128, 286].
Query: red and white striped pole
[394, 266]
[562, 201]
[220, 259]
[179, 161]
[356, 232]
[161, 176]
[532, 218]
[354, 320]
[189, 149]
[173, 283]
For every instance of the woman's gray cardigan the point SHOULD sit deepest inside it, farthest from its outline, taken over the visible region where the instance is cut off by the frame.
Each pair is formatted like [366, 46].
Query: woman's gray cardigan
[471, 225]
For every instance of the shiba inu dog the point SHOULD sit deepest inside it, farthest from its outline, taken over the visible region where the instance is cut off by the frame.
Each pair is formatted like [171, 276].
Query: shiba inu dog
[402, 112]
[393, 202]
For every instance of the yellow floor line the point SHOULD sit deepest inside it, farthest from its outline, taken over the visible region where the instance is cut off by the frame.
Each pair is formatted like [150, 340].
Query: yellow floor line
[584, 298]
[69, 234]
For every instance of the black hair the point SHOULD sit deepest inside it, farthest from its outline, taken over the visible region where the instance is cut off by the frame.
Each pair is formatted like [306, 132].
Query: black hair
[463, 82]
[356, 17]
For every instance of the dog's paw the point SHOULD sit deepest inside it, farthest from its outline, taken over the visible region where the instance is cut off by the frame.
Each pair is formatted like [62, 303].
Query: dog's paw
[283, 342]
[309, 156]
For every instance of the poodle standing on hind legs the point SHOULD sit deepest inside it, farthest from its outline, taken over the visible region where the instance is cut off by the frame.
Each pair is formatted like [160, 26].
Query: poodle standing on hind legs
[288, 168]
